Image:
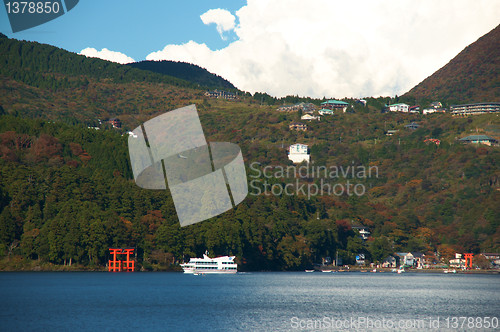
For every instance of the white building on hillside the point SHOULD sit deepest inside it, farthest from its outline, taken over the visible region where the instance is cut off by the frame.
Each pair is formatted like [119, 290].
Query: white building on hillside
[298, 153]
[309, 117]
[433, 110]
[325, 111]
[399, 108]
[474, 109]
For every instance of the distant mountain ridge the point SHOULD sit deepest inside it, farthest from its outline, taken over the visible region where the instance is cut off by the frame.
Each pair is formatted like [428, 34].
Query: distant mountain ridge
[185, 71]
[471, 76]
[42, 65]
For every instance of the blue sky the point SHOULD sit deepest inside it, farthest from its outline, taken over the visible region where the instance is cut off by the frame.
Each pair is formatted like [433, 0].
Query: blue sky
[133, 27]
[317, 48]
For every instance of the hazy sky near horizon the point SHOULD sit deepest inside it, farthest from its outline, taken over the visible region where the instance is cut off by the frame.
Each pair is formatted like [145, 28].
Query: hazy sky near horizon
[317, 48]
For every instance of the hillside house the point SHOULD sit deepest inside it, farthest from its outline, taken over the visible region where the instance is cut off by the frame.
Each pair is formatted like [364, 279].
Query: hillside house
[363, 231]
[418, 259]
[458, 261]
[335, 105]
[414, 109]
[412, 126]
[391, 132]
[479, 139]
[390, 261]
[309, 117]
[297, 126]
[219, 94]
[399, 108]
[298, 153]
[403, 260]
[325, 111]
[307, 107]
[433, 110]
[436, 104]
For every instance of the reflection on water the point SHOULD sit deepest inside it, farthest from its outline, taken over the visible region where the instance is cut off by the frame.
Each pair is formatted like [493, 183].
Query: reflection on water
[245, 301]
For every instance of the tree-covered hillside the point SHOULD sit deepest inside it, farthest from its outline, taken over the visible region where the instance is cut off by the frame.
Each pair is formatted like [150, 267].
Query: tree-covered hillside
[41, 65]
[185, 71]
[67, 193]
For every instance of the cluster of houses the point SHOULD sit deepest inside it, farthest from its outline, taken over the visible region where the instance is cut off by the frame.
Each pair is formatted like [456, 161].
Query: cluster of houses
[299, 152]
[416, 259]
[329, 106]
[435, 107]
[459, 261]
[420, 260]
[308, 109]
[455, 110]
[407, 259]
[303, 107]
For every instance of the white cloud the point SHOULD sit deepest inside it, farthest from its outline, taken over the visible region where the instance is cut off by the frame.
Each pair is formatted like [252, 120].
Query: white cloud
[223, 19]
[338, 48]
[106, 54]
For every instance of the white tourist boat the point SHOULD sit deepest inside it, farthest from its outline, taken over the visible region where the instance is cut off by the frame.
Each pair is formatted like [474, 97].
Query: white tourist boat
[205, 265]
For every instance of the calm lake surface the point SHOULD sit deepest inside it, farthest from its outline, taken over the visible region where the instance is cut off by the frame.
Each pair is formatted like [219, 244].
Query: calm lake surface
[99, 301]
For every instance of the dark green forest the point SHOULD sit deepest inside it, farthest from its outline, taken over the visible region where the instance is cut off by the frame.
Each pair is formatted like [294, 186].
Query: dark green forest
[66, 196]
[185, 71]
[67, 193]
[40, 65]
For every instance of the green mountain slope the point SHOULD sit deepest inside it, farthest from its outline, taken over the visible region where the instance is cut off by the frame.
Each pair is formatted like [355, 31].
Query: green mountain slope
[40, 65]
[472, 76]
[185, 71]
[67, 194]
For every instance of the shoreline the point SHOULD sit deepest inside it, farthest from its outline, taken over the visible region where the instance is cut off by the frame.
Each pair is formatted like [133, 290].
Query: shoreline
[70, 269]
[17, 264]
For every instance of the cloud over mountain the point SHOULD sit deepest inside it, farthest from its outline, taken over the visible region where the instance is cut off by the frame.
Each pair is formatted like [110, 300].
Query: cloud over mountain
[337, 48]
[106, 54]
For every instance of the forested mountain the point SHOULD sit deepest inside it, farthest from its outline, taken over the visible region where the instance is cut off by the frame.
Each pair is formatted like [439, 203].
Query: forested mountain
[67, 193]
[42, 81]
[42, 65]
[472, 76]
[185, 71]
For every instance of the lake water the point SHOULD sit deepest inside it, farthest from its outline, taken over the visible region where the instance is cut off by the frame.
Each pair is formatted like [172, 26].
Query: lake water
[287, 301]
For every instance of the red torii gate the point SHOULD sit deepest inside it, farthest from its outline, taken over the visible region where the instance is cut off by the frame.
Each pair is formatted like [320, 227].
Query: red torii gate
[128, 265]
[118, 265]
[468, 261]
